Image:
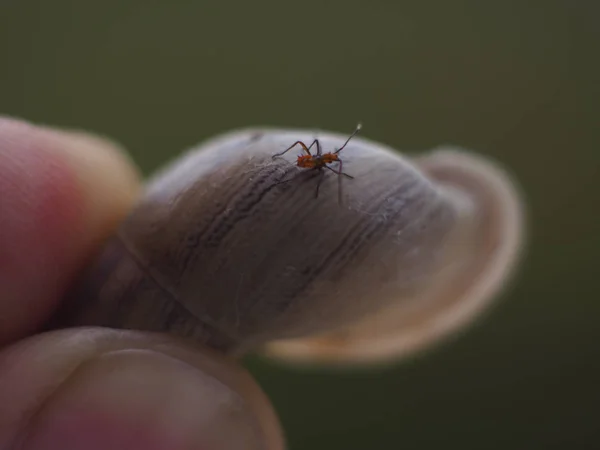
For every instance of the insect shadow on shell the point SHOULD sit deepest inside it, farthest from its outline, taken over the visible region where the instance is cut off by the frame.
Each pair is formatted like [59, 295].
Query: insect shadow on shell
[320, 161]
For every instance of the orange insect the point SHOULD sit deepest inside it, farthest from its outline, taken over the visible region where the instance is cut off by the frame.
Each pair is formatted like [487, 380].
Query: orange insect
[320, 161]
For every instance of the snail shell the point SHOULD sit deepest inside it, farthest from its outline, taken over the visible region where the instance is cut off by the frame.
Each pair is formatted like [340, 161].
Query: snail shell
[231, 248]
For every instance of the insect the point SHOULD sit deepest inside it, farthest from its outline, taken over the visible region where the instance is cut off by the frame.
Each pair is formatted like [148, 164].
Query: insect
[320, 161]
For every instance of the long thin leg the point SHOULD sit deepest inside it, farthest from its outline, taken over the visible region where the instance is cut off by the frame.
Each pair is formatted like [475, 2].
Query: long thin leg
[321, 176]
[340, 171]
[340, 184]
[304, 147]
[318, 146]
[302, 144]
[358, 127]
[340, 196]
[316, 141]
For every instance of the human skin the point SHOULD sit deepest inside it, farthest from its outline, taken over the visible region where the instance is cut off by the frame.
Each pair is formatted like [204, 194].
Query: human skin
[61, 194]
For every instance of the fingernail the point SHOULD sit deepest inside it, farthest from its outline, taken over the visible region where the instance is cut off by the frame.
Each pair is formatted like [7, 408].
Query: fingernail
[109, 180]
[141, 399]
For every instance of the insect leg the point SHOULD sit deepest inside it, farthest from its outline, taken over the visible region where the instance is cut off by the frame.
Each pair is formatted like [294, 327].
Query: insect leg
[304, 147]
[316, 141]
[300, 143]
[321, 176]
[339, 172]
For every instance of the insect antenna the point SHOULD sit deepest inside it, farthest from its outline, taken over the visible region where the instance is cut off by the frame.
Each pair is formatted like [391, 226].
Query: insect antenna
[358, 127]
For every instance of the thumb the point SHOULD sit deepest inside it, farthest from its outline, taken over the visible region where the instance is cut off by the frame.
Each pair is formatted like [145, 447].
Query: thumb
[96, 389]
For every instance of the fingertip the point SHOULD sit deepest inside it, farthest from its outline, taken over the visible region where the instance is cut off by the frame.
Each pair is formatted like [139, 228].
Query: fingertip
[61, 193]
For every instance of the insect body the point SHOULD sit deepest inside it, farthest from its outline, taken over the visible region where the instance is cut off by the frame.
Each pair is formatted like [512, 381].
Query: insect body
[314, 162]
[320, 160]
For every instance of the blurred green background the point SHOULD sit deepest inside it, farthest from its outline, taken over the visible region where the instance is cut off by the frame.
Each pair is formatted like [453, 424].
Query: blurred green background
[516, 80]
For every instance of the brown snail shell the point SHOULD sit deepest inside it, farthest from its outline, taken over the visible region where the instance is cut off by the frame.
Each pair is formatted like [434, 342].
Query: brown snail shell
[482, 267]
[230, 247]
